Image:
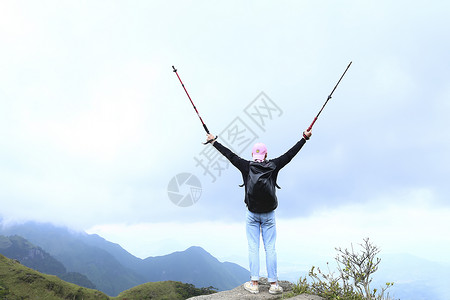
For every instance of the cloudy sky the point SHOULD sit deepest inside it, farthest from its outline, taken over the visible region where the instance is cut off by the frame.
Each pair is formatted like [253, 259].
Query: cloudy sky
[95, 125]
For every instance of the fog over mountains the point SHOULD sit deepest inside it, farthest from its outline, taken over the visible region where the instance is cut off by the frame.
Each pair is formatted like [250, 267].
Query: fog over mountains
[90, 260]
[112, 269]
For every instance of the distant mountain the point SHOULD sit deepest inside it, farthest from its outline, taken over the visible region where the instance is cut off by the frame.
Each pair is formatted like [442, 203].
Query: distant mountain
[113, 270]
[72, 250]
[18, 248]
[20, 282]
[195, 266]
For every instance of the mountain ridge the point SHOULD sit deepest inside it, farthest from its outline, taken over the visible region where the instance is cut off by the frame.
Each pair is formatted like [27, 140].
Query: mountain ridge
[112, 269]
[20, 249]
[20, 282]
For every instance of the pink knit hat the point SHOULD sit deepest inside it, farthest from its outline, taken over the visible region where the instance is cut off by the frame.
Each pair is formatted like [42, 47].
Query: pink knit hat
[259, 151]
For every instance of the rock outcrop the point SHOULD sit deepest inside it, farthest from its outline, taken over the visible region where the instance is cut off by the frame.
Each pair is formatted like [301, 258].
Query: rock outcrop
[239, 293]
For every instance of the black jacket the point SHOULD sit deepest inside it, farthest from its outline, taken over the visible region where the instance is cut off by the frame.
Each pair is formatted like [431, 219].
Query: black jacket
[255, 203]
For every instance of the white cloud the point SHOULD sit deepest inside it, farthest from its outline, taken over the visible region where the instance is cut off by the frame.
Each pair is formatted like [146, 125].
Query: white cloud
[154, 239]
[410, 222]
[94, 123]
[113, 119]
[406, 223]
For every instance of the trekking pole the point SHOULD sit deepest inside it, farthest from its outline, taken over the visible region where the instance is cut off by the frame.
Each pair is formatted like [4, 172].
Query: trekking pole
[195, 108]
[329, 97]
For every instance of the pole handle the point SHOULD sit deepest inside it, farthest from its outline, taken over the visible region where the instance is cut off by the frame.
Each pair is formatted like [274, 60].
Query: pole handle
[175, 70]
[312, 124]
[206, 128]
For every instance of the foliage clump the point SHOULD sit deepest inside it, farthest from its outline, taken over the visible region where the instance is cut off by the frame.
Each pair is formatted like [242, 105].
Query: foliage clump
[165, 290]
[353, 278]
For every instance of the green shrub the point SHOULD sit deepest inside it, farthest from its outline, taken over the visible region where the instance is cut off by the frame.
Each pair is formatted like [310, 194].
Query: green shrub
[4, 290]
[353, 278]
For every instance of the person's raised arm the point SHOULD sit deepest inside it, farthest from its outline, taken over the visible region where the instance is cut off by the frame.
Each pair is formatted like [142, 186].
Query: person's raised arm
[287, 157]
[237, 161]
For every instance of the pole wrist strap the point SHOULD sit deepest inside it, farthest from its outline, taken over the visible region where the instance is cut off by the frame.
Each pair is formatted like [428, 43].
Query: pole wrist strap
[212, 140]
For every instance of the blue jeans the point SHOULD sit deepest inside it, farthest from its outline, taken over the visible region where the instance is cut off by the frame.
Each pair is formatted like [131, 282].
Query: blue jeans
[262, 223]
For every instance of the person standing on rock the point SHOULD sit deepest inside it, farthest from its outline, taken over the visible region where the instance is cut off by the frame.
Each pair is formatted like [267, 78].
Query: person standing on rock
[260, 176]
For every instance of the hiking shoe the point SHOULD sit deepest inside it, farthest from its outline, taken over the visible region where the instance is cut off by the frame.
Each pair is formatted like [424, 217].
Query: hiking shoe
[275, 289]
[252, 288]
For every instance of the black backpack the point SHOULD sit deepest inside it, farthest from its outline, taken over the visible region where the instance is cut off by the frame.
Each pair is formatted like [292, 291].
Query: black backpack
[260, 194]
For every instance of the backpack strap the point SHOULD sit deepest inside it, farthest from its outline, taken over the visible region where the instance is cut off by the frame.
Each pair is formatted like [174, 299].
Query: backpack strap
[276, 185]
